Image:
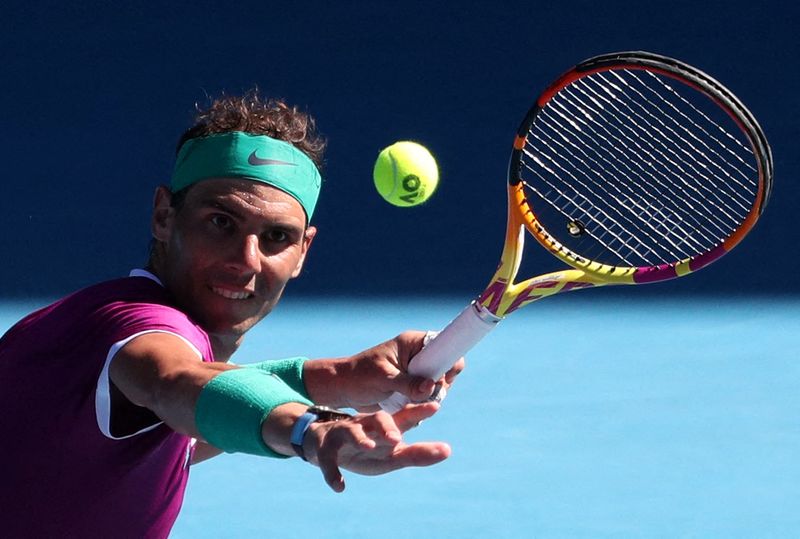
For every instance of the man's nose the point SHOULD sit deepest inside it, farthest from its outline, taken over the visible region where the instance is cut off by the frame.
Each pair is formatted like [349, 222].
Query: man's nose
[247, 255]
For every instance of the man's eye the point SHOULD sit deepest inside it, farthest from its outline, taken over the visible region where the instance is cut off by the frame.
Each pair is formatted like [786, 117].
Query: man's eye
[221, 221]
[277, 236]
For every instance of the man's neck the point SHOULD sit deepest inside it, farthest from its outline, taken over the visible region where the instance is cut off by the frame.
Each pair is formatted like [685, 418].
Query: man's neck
[224, 346]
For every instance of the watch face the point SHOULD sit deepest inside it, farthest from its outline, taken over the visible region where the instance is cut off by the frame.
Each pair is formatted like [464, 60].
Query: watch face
[324, 413]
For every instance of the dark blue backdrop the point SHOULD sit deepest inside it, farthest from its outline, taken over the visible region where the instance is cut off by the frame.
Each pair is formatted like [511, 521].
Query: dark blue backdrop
[95, 95]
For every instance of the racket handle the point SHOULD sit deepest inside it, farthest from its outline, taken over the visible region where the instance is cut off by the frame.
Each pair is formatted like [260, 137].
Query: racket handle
[441, 353]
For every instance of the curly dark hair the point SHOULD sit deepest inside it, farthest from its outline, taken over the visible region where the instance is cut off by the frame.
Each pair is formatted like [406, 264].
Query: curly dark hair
[256, 115]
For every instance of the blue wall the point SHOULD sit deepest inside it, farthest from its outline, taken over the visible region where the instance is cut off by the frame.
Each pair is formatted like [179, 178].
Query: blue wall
[96, 95]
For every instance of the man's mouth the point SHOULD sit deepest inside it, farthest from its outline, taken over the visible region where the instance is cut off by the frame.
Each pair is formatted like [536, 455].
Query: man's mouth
[231, 294]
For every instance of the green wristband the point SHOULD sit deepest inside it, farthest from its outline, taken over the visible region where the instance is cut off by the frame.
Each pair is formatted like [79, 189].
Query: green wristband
[290, 370]
[234, 404]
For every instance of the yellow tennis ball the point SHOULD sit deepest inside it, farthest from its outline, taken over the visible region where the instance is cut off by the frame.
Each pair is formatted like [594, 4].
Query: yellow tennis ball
[406, 174]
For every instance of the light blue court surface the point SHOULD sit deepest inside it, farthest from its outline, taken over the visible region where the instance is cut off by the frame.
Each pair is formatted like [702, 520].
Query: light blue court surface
[577, 417]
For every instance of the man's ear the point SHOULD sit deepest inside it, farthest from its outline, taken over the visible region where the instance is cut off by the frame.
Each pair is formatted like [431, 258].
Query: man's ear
[310, 232]
[163, 214]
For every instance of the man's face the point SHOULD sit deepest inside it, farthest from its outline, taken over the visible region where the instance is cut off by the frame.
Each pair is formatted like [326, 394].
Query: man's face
[229, 250]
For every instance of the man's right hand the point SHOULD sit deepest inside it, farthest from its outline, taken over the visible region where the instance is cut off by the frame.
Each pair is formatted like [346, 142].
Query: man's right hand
[366, 379]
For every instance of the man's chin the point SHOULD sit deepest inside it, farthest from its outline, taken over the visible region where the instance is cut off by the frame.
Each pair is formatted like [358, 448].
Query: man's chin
[227, 321]
[230, 329]
[230, 325]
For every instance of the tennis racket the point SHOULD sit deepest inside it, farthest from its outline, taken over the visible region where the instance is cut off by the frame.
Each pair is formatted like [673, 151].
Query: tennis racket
[630, 168]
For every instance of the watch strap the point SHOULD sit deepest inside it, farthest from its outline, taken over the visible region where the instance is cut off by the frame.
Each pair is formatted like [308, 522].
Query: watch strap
[299, 432]
[314, 413]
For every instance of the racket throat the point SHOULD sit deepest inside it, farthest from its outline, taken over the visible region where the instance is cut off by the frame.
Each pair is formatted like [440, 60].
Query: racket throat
[502, 298]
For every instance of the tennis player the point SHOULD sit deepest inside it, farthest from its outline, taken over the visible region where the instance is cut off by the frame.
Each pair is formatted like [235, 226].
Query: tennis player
[109, 394]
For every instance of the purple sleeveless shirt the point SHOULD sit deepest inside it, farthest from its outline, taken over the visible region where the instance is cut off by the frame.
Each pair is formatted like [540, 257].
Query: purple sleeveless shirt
[63, 471]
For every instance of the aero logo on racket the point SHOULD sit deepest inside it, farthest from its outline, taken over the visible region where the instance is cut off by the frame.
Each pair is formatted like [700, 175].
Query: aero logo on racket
[630, 168]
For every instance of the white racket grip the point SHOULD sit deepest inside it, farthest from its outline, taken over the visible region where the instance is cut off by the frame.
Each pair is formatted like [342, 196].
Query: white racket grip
[441, 353]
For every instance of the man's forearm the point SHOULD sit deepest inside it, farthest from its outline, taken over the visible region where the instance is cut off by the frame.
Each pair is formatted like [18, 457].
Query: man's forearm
[325, 381]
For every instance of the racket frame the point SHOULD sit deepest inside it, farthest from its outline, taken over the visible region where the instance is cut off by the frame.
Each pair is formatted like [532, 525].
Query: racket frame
[504, 295]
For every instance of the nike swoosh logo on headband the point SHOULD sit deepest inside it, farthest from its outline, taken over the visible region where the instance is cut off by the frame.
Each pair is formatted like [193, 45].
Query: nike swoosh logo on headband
[253, 159]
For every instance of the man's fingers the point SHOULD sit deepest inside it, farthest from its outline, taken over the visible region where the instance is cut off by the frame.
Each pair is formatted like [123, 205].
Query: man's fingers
[326, 459]
[410, 416]
[416, 388]
[421, 388]
[409, 343]
[421, 454]
[385, 429]
[333, 477]
[454, 371]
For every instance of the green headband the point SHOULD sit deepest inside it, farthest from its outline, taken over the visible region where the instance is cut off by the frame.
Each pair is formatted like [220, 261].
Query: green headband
[255, 157]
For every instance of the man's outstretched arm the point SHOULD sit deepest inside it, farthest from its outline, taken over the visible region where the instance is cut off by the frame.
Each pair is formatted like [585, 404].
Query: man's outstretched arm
[365, 379]
[255, 412]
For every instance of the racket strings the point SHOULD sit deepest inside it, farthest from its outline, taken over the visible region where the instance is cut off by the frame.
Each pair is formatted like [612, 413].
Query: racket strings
[672, 182]
[688, 156]
[650, 214]
[700, 113]
[675, 173]
[652, 173]
[563, 200]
